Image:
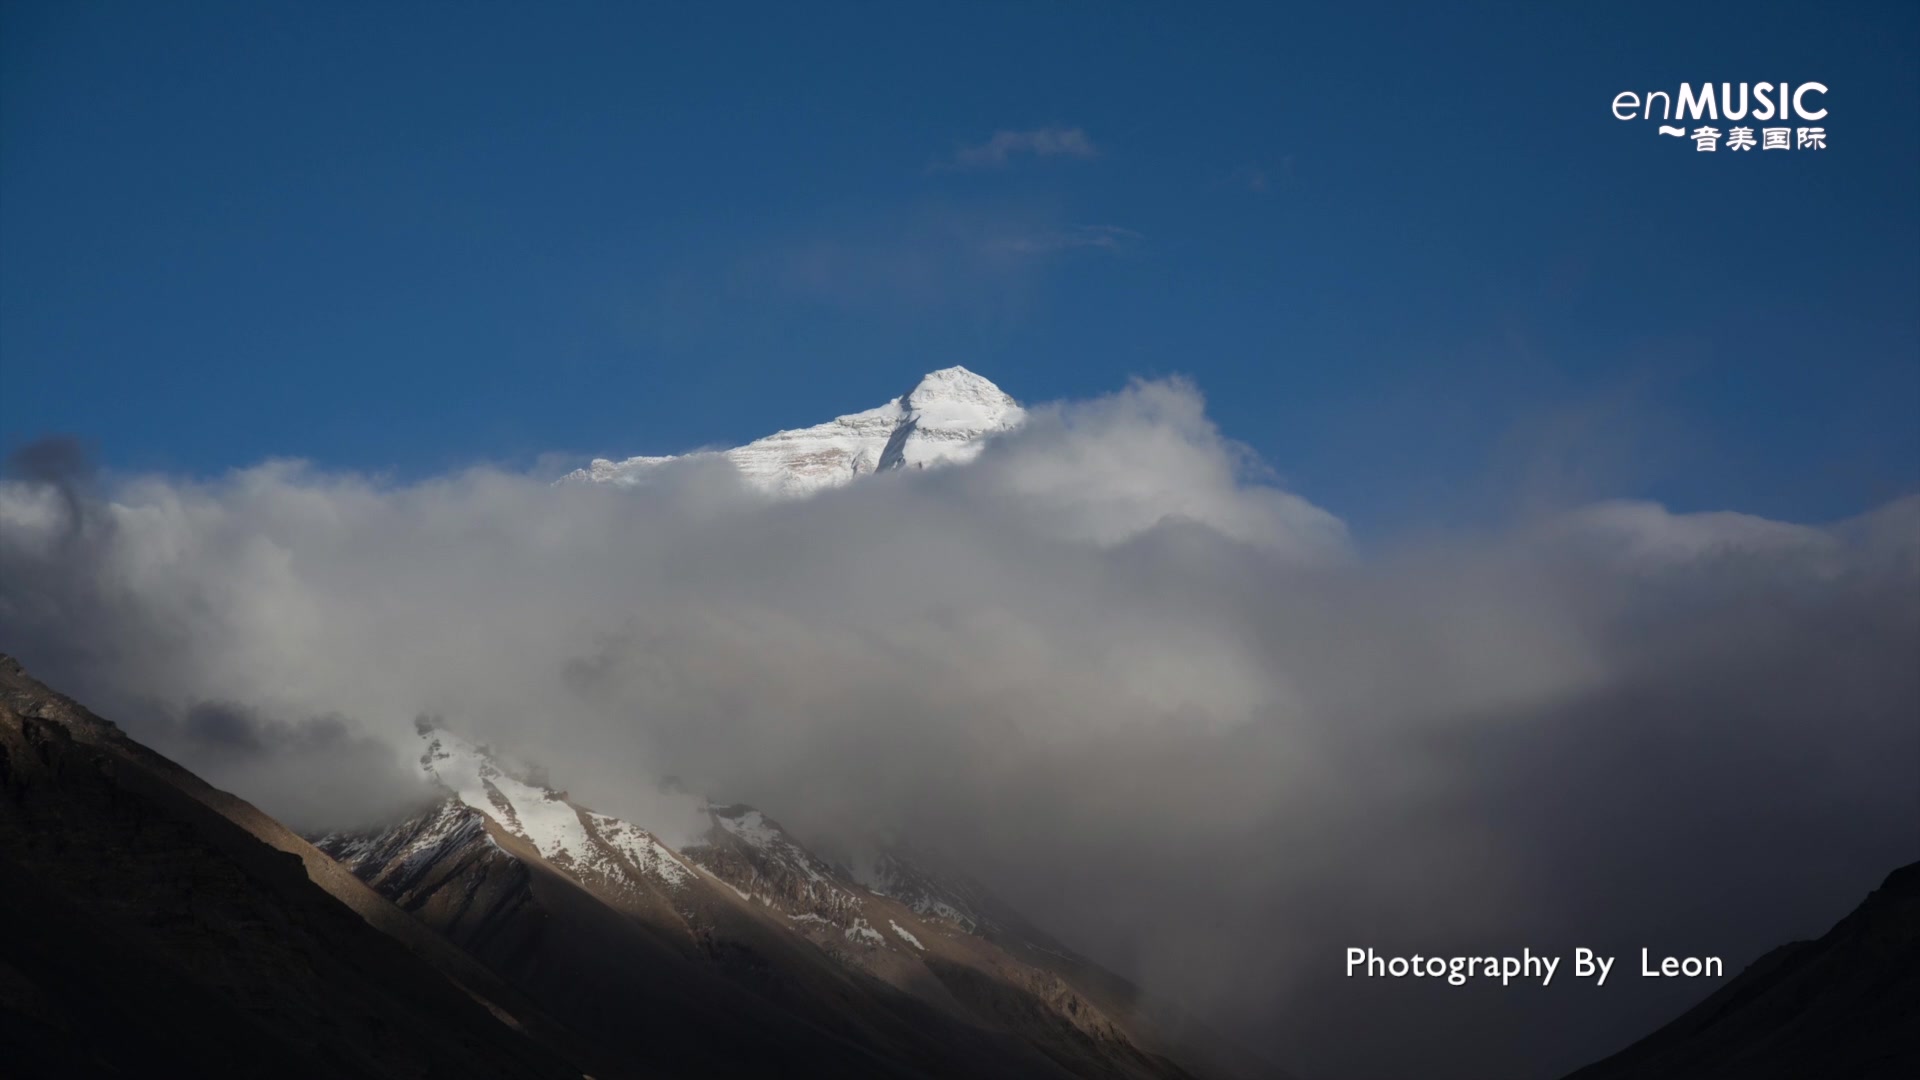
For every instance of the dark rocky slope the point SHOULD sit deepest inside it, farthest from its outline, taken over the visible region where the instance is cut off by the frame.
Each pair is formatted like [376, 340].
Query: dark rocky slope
[1844, 1007]
[151, 931]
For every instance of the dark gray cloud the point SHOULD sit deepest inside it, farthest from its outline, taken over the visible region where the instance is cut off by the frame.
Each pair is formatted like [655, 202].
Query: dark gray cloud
[1159, 704]
[63, 464]
[316, 772]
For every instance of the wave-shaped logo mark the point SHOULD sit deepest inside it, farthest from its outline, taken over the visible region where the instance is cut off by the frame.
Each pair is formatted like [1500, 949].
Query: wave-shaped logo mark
[1674, 131]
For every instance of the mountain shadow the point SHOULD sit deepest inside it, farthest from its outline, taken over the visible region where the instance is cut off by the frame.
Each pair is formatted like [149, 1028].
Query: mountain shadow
[1843, 1007]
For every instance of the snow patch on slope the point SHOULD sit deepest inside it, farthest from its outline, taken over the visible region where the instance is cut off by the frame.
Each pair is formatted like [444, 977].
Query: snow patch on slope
[566, 835]
[647, 854]
[862, 934]
[752, 827]
[534, 814]
[411, 848]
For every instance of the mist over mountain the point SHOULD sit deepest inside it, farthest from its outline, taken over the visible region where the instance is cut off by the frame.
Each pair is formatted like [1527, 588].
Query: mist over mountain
[1092, 651]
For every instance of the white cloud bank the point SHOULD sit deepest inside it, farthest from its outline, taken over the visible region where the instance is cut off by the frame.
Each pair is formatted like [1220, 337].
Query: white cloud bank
[1158, 702]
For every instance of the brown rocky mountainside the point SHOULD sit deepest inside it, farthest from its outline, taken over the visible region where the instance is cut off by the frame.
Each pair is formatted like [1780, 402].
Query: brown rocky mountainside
[632, 940]
[1844, 1007]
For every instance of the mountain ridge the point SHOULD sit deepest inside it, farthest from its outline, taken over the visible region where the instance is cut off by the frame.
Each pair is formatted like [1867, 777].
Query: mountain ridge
[158, 925]
[752, 906]
[1846, 1004]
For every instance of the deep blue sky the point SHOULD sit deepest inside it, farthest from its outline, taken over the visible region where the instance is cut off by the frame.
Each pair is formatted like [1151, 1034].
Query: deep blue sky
[407, 240]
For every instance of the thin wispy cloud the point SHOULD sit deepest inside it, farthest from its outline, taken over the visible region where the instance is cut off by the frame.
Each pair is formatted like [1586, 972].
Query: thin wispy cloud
[1261, 178]
[1005, 146]
[1049, 241]
[934, 258]
[1252, 177]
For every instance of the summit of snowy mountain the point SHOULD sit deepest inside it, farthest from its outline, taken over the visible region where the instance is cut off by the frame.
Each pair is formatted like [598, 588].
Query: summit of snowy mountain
[564, 833]
[946, 418]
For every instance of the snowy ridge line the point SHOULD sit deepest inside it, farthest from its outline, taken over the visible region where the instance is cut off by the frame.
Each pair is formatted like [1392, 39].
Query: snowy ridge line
[577, 840]
[746, 851]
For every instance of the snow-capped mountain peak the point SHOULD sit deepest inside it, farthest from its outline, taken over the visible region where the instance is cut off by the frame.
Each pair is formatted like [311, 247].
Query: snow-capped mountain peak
[568, 835]
[957, 400]
[946, 418]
